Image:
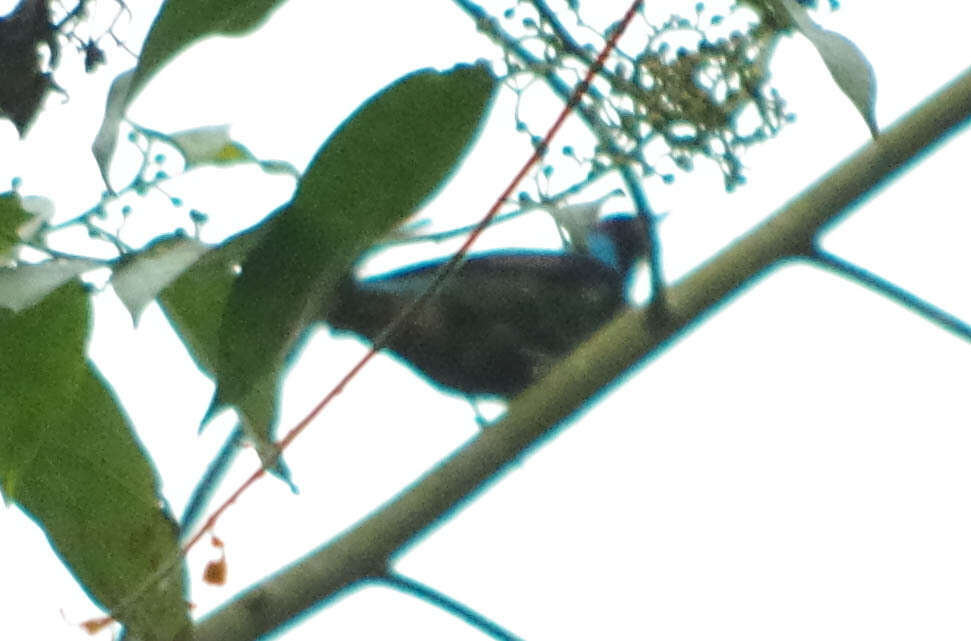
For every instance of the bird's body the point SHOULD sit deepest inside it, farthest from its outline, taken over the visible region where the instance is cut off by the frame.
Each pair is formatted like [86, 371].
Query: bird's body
[498, 322]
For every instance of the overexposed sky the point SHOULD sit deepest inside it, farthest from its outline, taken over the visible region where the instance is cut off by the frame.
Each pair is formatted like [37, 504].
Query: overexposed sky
[795, 467]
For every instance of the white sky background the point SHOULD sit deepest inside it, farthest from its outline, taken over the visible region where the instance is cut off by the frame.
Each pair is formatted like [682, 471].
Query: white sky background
[795, 467]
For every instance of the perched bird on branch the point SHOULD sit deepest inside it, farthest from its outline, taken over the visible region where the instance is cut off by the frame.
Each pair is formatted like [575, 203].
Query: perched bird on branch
[503, 318]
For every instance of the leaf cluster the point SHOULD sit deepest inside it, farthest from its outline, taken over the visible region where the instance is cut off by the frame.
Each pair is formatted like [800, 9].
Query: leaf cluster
[69, 456]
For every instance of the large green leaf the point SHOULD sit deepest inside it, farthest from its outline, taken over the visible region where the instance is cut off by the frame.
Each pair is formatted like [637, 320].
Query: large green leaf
[180, 23]
[69, 459]
[195, 300]
[194, 303]
[372, 173]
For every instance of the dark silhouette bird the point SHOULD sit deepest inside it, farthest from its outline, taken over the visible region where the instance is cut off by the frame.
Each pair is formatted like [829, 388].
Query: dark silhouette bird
[502, 318]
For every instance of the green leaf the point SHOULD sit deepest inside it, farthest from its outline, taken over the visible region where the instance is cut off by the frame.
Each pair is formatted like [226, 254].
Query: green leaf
[69, 459]
[25, 285]
[372, 173]
[12, 217]
[195, 300]
[141, 276]
[194, 304]
[846, 63]
[103, 147]
[180, 23]
[213, 146]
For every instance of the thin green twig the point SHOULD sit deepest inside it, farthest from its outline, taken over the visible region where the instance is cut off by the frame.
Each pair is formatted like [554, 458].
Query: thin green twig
[207, 485]
[448, 604]
[880, 285]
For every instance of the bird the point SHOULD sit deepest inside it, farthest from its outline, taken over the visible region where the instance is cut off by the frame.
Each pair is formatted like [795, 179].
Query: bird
[501, 319]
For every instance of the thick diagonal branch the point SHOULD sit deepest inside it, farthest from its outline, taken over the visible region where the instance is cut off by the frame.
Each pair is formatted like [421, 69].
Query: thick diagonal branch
[364, 550]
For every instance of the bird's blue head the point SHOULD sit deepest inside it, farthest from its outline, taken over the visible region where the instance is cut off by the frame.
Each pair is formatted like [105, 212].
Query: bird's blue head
[618, 241]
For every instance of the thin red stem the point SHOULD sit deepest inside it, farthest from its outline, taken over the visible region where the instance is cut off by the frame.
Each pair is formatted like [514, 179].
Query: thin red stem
[381, 340]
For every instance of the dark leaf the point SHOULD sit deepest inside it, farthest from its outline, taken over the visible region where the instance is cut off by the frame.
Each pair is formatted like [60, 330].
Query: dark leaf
[23, 84]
